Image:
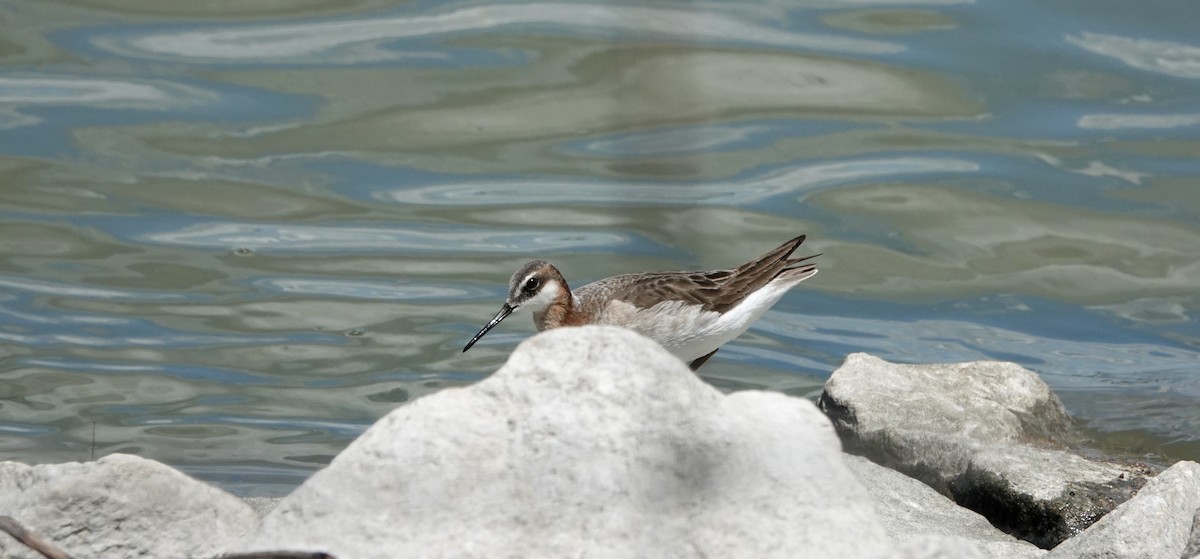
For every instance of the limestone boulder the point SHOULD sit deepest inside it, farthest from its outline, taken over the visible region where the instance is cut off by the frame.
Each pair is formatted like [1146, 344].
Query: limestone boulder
[911, 510]
[589, 442]
[121, 506]
[990, 435]
[1159, 522]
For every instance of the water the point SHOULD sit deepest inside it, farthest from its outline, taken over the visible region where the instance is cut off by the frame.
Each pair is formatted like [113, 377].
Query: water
[232, 236]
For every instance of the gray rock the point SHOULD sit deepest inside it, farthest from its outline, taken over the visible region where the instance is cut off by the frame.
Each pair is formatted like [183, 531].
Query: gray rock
[261, 505]
[990, 435]
[912, 510]
[935, 547]
[1192, 551]
[1155, 524]
[589, 442]
[121, 506]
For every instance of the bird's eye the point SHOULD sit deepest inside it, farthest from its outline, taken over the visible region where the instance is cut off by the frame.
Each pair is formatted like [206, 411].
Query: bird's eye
[531, 285]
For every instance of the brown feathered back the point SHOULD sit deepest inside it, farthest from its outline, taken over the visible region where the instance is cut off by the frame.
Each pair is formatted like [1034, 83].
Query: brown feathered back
[714, 290]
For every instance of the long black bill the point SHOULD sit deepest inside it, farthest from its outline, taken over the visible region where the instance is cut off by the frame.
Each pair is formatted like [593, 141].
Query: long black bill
[504, 312]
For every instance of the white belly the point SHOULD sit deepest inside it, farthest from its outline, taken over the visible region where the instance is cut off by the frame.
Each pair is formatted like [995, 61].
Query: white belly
[687, 331]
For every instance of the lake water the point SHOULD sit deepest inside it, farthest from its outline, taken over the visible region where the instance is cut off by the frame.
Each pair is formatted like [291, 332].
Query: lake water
[233, 236]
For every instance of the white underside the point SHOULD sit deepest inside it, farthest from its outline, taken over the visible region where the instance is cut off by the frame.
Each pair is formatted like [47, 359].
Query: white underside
[689, 332]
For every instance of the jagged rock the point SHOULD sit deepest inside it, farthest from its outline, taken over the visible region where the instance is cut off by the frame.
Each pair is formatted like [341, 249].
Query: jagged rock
[597, 442]
[121, 506]
[1192, 551]
[1157, 523]
[594, 442]
[261, 505]
[910, 509]
[990, 435]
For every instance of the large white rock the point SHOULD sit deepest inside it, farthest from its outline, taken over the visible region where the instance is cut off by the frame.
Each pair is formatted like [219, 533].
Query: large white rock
[934, 547]
[590, 442]
[1193, 547]
[1155, 524]
[120, 506]
[989, 434]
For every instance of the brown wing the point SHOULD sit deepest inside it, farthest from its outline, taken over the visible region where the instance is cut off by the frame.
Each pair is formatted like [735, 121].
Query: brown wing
[715, 290]
[647, 290]
[751, 276]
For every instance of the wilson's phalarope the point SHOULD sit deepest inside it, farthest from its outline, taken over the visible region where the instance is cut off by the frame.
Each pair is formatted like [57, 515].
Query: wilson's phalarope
[689, 313]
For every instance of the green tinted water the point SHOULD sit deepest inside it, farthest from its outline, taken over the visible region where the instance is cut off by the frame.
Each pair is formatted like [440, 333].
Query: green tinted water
[233, 235]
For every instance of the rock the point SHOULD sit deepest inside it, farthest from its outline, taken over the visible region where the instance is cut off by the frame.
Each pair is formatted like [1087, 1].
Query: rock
[1157, 523]
[990, 435]
[1193, 547]
[121, 506]
[590, 441]
[261, 505]
[935, 547]
[597, 442]
[912, 510]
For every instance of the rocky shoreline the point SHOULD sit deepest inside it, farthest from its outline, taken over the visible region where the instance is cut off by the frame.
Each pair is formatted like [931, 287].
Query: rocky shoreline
[595, 442]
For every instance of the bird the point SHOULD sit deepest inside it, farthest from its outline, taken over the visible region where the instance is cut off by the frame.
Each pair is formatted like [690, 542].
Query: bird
[690, 313]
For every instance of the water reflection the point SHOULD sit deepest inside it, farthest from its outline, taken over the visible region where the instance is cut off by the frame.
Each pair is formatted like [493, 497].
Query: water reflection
[184, 372]
[373, 40]
[378, 291]
[45, 90]
[965, 242]
[277, 238]
[1115, 121]
[794, 180]
[705, 138]
[29, 285]
[1169, 310]
[1164, 57]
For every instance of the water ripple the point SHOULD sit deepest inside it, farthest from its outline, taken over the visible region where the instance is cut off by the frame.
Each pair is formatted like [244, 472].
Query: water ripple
[192, 373]
[58, 288]
[703, 138]
[343, 239]
[93, 92]
[756, 189]
[158, 339]
[372, 290]
[1117, 121]
[18, 429]
[141, 95]
[1162, 57]
[339, 428]
[360, 41]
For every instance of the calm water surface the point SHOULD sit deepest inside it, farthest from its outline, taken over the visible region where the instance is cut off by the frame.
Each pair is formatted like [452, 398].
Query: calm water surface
[232, 236]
